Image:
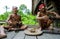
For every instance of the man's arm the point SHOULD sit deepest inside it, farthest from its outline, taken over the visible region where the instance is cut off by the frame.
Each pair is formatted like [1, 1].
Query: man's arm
[54, 13]
[57, 15]
[8, 19]
[43, 17]
[20, 19]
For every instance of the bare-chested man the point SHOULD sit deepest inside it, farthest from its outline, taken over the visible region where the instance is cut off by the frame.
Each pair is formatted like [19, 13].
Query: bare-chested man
[14, 20]
[43, 18]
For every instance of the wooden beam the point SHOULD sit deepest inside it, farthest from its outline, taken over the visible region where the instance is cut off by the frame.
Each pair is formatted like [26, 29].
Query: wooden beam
[32, 6]
[50, 6]
[52, 9]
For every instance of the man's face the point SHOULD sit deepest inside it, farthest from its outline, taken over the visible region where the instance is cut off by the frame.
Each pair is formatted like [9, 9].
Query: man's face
[42, 9]
[14, 10]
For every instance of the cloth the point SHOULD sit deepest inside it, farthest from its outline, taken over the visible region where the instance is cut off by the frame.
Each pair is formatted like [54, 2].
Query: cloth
[41, 6]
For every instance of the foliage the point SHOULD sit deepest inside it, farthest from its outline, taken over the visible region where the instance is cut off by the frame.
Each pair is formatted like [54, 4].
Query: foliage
[23, 7]
[4, 16]
[27, 11]
[26, 19]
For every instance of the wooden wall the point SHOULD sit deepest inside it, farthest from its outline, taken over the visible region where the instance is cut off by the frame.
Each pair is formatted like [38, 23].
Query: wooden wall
[50, 5]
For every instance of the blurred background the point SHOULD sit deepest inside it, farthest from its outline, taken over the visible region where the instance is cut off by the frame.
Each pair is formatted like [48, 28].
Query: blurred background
[28, 10]
[24, 7]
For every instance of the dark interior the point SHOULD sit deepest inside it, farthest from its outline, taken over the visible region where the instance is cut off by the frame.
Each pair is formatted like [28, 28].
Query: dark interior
[56, 2]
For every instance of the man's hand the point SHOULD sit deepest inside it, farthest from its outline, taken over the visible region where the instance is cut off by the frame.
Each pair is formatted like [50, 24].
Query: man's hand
[10, 22]
[57, 16]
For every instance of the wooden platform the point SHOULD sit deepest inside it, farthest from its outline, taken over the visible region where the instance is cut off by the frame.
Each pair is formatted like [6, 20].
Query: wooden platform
[46, 34]
[21, 35]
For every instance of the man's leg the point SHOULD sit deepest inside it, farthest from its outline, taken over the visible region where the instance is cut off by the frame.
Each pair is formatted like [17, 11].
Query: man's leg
[50, 25]
[2, 33]
[7, 27]
[23, 27]
[40, 24]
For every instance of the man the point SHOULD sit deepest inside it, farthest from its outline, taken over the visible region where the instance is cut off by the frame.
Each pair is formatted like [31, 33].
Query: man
[14, 21]
[43, 18]
[2, 33]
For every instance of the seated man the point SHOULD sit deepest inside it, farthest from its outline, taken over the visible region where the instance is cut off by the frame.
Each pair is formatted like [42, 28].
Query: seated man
[2, 33]
[43, 18]
[14, 21]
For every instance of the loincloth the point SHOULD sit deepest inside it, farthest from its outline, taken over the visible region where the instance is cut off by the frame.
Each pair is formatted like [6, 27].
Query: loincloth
[17, 25]
[45, 25]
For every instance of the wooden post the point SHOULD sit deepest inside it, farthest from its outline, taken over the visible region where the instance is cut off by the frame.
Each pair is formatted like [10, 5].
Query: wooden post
[45, 3]
[33, 6]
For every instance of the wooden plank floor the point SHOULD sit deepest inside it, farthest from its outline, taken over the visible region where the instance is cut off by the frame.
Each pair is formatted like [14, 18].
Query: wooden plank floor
[21, 35]
[10, 35]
